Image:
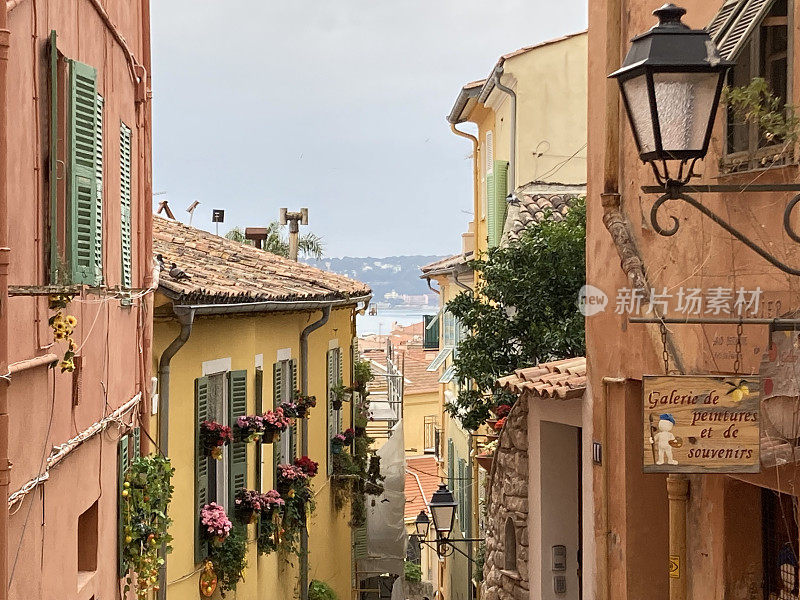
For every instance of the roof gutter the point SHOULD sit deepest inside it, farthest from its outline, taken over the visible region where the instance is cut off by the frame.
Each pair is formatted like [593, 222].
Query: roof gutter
[271, 306]
[326, 314]
[464, 96]
[498, 73]
[186, 319]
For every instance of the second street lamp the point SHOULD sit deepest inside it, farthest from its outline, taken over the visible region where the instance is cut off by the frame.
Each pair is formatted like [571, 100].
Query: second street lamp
[422, 524]
[443, 509]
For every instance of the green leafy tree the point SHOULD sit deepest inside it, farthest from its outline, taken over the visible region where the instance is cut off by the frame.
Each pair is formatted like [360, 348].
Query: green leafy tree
[524, 311]
[277, 242]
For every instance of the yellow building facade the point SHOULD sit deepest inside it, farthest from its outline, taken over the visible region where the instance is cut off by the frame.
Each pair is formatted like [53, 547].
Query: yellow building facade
[249, 340]
[535, 133]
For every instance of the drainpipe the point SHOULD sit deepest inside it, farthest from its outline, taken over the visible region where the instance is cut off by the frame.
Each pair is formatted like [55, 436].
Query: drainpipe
[475, 176]
[512, 163]
[5, 251]
[186, 319]
[326, 314]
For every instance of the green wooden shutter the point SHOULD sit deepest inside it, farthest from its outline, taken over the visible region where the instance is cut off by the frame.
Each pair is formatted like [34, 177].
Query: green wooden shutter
[259, 399]
[55, 276]
[98, 171]
[360, 542]
[450, 463]
[460, 488]
[431, 332]
[83, 243]
[137, 443]
[293, 431]
[331, 414]
[122, 467]
[237, 456]
[201, 393]
[277, 394]
[496, 198]
[125, 204]
[340, 381]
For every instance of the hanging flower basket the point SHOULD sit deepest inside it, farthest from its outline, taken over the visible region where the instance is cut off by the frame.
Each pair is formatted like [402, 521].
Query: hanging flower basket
[213, 437]
[274, 423]
[300, 405]
[216, 524]
[485, 461]
[248, 428]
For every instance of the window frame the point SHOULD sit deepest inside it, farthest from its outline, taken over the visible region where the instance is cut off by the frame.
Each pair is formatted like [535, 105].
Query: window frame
[755, 157]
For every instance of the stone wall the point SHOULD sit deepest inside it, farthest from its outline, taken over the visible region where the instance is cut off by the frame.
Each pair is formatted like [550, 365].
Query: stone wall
[507, 498]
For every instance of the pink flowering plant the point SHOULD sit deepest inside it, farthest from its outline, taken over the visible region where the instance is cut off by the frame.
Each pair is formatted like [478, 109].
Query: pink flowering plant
[248, 428]
[270, 529]
[299, 406]
[275, 422]
[213, 436]
[215, 522]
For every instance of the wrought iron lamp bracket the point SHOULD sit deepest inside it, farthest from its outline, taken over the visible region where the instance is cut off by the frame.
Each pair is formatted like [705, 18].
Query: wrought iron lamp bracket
[678, 189]
[445, 547]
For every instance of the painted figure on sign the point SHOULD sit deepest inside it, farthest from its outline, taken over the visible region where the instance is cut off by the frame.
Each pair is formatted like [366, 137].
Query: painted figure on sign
[787, 563]
[664, 440]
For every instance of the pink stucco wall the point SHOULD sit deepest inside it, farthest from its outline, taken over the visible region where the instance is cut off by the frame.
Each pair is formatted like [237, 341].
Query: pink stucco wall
[43, 536]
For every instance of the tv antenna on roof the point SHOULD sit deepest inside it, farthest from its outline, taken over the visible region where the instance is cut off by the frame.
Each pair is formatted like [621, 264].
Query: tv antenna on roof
[190, 210]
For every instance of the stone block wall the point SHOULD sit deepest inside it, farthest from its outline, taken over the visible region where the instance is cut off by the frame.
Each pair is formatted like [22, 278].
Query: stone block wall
[507, 512]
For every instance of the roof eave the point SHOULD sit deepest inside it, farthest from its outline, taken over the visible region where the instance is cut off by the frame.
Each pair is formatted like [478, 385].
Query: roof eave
[466, 94]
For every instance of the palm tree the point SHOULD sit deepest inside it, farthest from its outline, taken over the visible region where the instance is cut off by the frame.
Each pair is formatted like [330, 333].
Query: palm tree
[277, 242]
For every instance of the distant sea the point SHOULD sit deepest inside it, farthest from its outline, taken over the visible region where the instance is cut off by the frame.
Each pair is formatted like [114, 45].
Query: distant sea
[382, 322]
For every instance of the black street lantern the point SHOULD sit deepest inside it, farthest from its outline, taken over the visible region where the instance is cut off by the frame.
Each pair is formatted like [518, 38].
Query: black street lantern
[443, 510]
[422, 524]
[671, 82]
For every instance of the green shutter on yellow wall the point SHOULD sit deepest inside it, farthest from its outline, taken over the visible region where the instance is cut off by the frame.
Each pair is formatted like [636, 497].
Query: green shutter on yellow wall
[360, 542]
[277, 395]
[201, 393]
[293, 430]
[331, 414]
[83, 243]
[53, 162]
[125, 204]
[496, 192]
[237, 456]
[259, 400]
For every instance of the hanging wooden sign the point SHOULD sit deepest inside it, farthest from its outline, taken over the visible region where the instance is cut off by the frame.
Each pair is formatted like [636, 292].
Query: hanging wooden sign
[701, 424]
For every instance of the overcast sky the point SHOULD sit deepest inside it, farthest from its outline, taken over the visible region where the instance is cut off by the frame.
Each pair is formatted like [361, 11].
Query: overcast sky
[336, 105]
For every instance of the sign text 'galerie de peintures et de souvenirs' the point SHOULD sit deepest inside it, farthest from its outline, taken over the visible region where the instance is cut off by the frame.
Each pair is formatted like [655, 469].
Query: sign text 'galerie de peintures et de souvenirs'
[701, 424]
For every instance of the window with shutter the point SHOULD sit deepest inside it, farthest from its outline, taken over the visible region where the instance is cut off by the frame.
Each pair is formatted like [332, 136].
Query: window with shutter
[489, 152]
[339, 381]
[125, 204]
[258, 384]
[758, 38]
[98, 222]
[331, 414]
[460, 487]
[83, 245]
[450, 462]
[201, 409]
[55, 263]
[497, 202]
[277, 398]
[237, 406]
[123, 460]
[360, 542]
[294, 429]
[431, 329]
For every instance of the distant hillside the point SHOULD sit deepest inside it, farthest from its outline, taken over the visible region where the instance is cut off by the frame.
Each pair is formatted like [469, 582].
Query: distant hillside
[393, 279]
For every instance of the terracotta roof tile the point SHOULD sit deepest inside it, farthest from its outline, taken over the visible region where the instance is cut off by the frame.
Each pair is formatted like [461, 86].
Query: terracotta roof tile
[533, 202]
[418, 379]
[425, 468]
[221, 271]
[557, 379]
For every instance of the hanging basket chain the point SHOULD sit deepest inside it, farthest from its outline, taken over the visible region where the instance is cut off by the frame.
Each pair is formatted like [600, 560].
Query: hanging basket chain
[738, 362]
[664, 351]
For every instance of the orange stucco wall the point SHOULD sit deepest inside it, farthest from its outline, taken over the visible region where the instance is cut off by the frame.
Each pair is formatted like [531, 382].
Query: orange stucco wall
[700, 255]
[43, 536]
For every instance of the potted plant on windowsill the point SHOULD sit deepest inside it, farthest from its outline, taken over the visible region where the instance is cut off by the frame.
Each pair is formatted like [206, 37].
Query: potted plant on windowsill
[299, 406]
[216, 524]
[340, 394]
[275, 423]
[213, 437]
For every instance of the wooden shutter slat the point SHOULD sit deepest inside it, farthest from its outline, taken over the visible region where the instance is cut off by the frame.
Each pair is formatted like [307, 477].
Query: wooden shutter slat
[84, 247]
[331, 416]
[498, 201]
[237, 456]
[201, 407]
[125, 205]
[745, 22]
[293, 431]
[259, 400]
[360, 542]
[719, 24]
